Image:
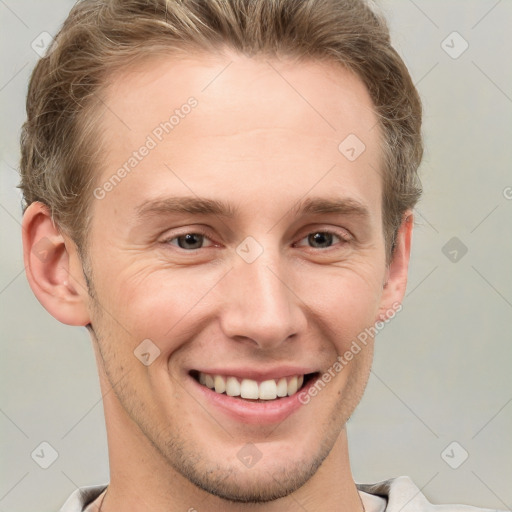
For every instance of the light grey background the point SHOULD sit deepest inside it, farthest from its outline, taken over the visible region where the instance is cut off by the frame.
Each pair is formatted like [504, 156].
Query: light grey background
[442, 366]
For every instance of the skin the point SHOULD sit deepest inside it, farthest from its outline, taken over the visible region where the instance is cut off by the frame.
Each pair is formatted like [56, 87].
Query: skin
[261, 145]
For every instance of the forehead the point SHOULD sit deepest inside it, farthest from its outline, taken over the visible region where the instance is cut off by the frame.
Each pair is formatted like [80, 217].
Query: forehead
[324, 93]
[256, 123]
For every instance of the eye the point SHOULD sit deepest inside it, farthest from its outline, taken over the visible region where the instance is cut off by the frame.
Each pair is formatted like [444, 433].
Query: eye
[188, 241]
[324, 239]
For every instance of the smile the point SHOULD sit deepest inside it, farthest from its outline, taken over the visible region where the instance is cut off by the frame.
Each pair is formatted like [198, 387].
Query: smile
[249, 395]
[249, 389]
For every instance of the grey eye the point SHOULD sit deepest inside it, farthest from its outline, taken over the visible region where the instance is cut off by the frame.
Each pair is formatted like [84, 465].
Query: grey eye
[190, 241]
[321, 239]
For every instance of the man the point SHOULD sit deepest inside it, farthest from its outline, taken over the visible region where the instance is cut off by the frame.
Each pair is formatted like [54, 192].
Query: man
[224, 194]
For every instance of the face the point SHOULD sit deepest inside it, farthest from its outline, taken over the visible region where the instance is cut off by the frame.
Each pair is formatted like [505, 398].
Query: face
[242, 250]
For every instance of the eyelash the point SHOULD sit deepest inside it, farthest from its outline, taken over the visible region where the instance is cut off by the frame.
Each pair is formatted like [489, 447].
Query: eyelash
[344, 238]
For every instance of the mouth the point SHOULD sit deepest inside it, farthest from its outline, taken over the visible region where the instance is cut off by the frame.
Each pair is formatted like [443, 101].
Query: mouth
[252, 390]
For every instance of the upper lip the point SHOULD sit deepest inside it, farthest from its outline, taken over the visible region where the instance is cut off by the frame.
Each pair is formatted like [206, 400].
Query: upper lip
[260, 374]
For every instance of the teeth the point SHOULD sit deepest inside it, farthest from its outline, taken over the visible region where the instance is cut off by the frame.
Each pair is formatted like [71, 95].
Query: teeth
[251, 389]
[282, 387]
[208, 381]
[268, 390]
[292, 386]
[220, 384]
[232, 386]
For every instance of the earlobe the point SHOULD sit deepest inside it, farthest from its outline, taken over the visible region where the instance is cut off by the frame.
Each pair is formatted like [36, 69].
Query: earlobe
[396, 274]
[51, 262]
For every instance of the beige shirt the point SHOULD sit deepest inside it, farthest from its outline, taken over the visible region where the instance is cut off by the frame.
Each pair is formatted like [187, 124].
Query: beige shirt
[393, 495]
[371, 503]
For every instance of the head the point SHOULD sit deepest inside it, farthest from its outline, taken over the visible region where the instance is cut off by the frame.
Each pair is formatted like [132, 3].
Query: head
[228, 187]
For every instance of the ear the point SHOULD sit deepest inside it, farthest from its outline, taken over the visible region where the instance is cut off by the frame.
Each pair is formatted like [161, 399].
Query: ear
[396, 274]
[53, 267]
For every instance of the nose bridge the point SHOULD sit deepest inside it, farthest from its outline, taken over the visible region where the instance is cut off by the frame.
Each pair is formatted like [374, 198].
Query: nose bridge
[259, 303]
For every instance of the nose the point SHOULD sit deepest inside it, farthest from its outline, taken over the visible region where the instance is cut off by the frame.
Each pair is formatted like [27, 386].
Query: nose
[260, 306]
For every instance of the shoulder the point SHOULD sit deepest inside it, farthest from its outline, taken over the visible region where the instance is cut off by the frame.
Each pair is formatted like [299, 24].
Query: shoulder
[82, 497]
[403, 495]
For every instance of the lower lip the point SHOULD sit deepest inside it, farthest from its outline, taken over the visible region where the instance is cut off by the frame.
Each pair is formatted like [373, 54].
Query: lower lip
[245, 411]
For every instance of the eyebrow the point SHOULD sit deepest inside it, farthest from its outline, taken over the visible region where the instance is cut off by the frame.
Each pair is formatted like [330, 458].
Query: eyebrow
[321, 205]
[204, 206]
[186, 204]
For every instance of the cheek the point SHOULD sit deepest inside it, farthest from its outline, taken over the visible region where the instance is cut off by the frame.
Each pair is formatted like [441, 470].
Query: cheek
[346, 319]
[345, 301]
[155, 302]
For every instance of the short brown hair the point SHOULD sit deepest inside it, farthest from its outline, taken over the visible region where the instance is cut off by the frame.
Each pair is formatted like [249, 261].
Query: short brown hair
[58, 166]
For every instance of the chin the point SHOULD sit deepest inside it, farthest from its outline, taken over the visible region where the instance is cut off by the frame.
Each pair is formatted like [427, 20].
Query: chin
[252, 485]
